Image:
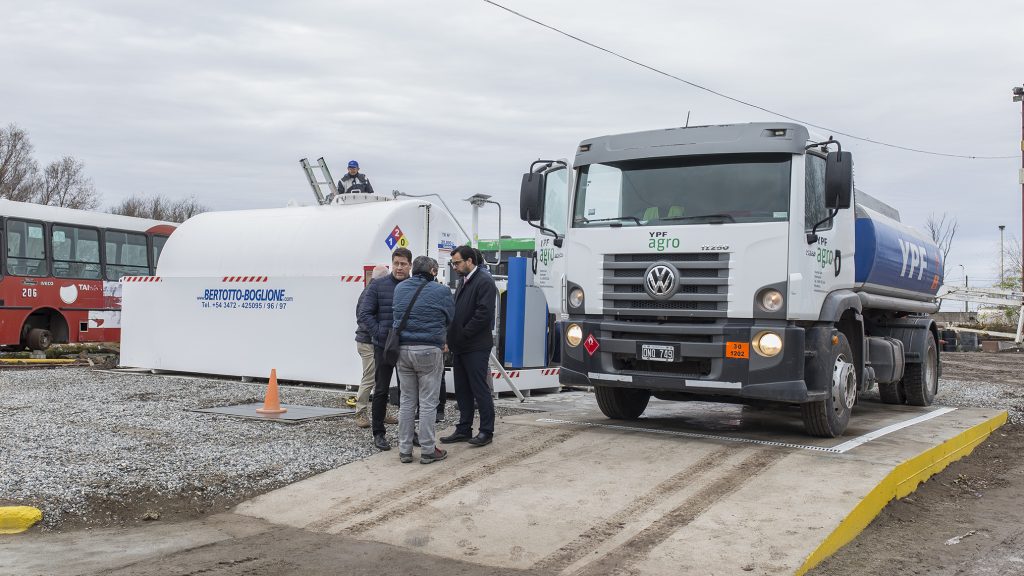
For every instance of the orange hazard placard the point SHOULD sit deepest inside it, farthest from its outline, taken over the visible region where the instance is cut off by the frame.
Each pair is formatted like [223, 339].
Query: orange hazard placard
[737, 350]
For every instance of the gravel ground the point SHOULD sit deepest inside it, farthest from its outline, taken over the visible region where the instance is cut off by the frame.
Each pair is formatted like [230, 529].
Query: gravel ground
[97, 448]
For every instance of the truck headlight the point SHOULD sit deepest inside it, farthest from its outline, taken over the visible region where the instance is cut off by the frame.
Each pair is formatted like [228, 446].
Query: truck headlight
[576, 297]
[767, 344]
[574, 335]
[771, 300]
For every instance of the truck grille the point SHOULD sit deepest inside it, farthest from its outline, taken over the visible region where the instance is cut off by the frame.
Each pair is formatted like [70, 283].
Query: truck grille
[703, 290]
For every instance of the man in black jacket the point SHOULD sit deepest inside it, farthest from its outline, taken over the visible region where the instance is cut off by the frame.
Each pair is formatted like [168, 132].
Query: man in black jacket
[470, 341]
[375, 315]
[354, 182]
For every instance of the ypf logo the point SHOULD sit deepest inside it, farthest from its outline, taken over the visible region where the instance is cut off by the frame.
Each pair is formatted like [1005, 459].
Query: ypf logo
[661, 281]
[916, 256]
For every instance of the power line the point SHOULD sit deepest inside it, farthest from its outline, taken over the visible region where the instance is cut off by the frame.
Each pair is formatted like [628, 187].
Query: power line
[737, 100]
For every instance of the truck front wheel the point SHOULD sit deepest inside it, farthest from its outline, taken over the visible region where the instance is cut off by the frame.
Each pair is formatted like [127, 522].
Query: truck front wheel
[829, 417]
[921, 381]
[622, 403]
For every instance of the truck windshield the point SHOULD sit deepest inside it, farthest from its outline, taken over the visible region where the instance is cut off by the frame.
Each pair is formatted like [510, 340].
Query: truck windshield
[721, 189]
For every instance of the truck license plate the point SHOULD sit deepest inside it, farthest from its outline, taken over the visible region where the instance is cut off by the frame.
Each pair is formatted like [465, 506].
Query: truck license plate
[658, 352]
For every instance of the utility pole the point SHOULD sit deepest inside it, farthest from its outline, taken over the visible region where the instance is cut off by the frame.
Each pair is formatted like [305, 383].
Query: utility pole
[965, 289]
[1001, 228]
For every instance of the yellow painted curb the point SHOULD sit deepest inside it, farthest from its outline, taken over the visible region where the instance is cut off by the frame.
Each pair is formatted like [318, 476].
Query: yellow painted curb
[15, 519]
[902, 481]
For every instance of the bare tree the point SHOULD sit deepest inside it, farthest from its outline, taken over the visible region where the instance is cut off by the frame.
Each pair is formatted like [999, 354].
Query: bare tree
[942, 231]
[17, 168]
[159, 208]
[1011, 265]
[64, 184]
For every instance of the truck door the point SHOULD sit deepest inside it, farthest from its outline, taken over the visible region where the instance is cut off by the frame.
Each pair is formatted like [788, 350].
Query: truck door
[548, 260]
[826, 264]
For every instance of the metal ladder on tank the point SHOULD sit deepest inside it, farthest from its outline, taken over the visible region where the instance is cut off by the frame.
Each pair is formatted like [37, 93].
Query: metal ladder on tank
[317, 184]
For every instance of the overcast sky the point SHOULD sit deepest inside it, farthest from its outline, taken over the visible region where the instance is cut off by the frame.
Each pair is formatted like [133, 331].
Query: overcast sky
[221, 99]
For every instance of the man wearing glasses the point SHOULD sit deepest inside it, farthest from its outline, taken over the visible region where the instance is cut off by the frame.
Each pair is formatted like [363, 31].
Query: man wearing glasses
[470, 341]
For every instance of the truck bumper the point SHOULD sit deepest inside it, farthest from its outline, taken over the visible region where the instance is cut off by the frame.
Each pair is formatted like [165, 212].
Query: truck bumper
[702, 365]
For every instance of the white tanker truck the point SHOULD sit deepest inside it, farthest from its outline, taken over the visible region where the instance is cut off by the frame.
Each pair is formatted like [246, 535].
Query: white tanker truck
[732, 263]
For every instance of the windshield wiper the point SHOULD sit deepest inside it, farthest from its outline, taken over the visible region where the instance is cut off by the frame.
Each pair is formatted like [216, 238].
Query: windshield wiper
[721, 217]
[615, 219]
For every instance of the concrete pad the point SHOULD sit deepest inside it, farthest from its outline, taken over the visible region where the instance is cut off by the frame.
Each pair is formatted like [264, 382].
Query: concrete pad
[690, 488]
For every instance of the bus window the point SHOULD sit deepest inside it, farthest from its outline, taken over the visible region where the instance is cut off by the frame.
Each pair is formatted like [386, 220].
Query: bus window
[126, 255]
[158, 248]
[26, 249]
[76, 252]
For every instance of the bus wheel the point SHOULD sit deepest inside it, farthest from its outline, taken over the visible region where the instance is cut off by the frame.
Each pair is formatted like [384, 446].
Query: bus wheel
[39, 339]
[622, 403]
[828, 418]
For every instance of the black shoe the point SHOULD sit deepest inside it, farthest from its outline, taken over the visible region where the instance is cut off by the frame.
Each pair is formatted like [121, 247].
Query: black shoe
[416, 440]
[431, 458]
[456, 437]
[481, 439]
[405, 458]
[381, 442]
[440, 417]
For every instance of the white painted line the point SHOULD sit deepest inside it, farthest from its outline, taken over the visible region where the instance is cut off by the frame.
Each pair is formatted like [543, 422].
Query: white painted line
[693, 435]
[840, 449]
[860, 440]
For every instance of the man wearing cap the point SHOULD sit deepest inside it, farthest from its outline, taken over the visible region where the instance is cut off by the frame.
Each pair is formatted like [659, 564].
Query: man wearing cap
[354, 182]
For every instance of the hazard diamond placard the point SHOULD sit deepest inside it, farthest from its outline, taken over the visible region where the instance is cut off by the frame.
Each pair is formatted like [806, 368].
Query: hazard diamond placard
[591, 344]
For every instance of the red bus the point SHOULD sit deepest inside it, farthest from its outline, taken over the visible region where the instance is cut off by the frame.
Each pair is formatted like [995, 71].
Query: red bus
[56, 284]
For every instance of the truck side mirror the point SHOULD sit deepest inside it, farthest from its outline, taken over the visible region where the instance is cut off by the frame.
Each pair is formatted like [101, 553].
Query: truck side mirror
[838, 180]
[531, 197]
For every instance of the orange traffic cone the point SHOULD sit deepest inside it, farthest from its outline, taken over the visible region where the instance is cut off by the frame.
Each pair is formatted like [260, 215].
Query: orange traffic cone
[271, 403]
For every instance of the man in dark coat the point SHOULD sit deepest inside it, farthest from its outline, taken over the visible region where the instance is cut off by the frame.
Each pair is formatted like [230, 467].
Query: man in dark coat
[470, 341]
[376, 316]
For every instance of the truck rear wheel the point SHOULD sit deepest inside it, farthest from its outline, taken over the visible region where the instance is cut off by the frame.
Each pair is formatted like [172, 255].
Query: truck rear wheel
[622, 403]
[892, 393]
[829, 417]
[921, 381]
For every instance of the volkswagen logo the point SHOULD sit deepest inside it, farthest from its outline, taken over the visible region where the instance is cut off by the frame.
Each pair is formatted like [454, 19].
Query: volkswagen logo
[661, 280]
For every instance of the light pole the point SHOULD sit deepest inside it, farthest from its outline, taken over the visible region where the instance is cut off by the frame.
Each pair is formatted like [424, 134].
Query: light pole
[965, 286]
[1001, 228]
[1018, 96]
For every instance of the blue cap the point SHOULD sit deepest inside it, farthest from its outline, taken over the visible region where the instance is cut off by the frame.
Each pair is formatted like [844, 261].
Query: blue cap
[353, 164]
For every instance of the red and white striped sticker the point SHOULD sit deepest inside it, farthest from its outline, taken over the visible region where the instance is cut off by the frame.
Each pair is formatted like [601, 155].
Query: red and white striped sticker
[511, 374]
[245, 279]
[141, 279]
[352, 278]
[550, 371]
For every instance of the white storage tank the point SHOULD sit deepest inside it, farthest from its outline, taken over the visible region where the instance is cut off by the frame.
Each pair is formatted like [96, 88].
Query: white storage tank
[239, 293]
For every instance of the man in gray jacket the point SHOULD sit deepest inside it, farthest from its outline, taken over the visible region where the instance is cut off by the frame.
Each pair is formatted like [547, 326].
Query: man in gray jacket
[420, 360]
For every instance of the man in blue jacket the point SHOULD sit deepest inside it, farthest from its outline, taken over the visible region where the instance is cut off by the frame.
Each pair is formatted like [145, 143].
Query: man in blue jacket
[420, 359]
[470, 341]
[376, 316]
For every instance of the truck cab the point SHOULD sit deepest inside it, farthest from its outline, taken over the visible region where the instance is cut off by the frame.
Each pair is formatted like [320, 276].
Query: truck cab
[720, 263]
